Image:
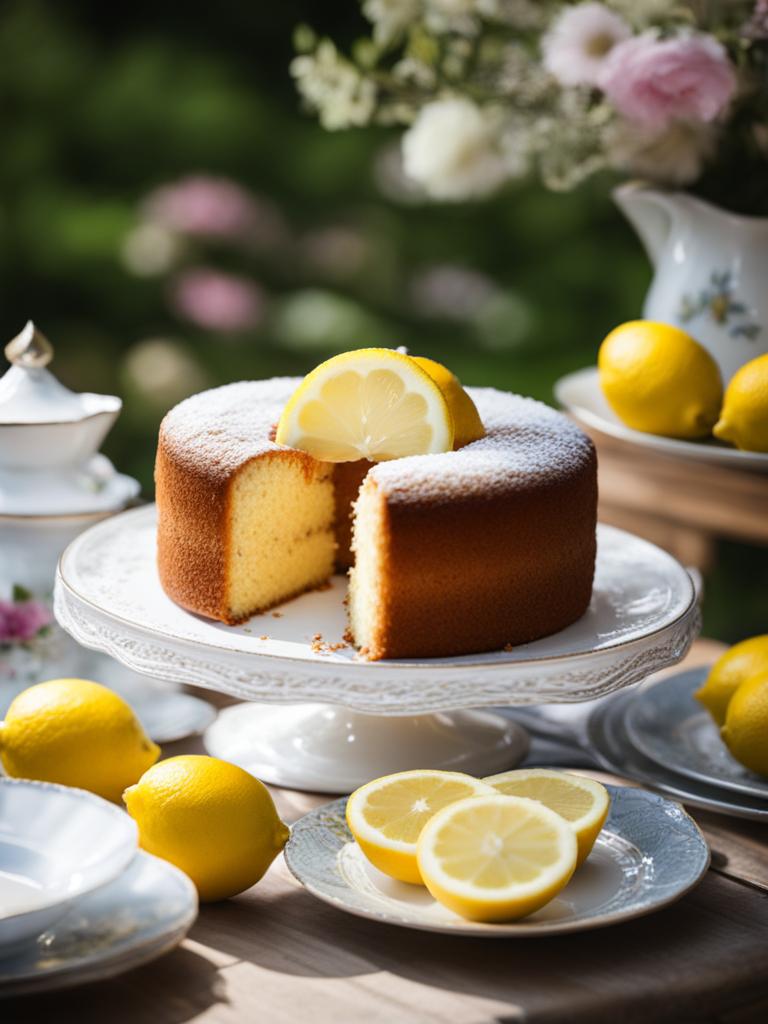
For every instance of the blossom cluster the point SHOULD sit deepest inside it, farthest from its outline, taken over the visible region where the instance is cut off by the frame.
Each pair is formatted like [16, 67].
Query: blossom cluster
[491, 90]
[22, 619]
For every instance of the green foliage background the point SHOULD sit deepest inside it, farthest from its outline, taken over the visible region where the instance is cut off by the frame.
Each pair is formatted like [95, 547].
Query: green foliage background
[102, 102]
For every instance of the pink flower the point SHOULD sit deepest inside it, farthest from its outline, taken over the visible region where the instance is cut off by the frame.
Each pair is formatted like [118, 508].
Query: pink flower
[210, 207]
[217, 301]
[757, 26]
[655, 81]
[22, 621]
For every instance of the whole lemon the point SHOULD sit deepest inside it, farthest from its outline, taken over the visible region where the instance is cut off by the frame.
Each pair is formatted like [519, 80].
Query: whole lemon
[210, 818]
[744, 418]
[77, 733]
[467, 425]
[738, 663]
[658, 379]
[745, 732]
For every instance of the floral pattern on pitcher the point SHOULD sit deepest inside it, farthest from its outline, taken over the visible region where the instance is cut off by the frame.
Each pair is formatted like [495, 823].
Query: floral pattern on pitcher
[718, 301]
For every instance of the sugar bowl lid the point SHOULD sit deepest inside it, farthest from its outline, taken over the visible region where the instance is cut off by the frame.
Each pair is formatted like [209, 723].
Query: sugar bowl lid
[50, 437]
[29, 393]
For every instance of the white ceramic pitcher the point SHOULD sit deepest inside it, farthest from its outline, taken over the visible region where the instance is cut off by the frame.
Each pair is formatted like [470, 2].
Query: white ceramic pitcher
[711, 271]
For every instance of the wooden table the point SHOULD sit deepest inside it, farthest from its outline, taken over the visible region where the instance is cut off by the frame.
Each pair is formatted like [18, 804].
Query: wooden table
[276, 955]
[682, 505]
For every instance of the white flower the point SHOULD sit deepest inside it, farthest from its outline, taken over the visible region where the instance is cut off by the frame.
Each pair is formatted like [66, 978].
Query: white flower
[150, 249]
[454, 15]
[390, 18]
[452, 150]
[334, 86]
[579, 40]
[672, 156]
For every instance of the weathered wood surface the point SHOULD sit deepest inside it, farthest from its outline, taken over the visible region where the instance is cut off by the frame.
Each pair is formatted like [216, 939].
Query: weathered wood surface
[684, 506]
[276, 955]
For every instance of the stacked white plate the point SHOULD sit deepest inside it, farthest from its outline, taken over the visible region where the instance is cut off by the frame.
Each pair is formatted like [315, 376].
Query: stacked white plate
[580, 394]
[659, 734]
[78, 900]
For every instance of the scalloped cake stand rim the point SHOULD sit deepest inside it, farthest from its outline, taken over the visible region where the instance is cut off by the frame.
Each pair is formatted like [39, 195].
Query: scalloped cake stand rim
[381, 687]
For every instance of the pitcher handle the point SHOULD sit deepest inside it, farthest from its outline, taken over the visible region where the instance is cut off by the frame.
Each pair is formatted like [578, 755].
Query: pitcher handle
[651, 214]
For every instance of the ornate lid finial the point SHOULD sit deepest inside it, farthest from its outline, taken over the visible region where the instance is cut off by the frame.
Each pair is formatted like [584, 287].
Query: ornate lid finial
[30, 348]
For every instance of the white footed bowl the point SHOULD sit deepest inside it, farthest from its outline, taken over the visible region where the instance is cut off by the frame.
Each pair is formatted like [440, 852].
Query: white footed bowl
[56, 843]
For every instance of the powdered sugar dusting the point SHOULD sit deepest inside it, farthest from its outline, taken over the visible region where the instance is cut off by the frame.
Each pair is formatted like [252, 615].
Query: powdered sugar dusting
[223, 428]
[526, 441]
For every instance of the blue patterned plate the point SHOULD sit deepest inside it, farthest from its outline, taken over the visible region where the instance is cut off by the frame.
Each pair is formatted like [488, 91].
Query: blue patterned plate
[667, 724]
[607, 737]
[649, 854]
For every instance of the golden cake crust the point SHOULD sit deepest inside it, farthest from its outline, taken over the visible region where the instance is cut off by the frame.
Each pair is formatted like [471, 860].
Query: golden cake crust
[490, 545]
[204, 442]
[494, 544]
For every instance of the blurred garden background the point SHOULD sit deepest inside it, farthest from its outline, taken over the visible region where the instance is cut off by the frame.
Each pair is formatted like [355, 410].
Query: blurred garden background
[172, 220]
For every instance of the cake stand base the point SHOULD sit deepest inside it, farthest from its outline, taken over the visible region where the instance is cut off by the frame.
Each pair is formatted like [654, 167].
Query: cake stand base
[321, 748]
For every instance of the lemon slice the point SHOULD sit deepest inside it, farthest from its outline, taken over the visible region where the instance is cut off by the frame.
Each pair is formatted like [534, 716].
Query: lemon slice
[467, 425]
[373, 404]
[582, 802]
[496, 858]
[386, 816]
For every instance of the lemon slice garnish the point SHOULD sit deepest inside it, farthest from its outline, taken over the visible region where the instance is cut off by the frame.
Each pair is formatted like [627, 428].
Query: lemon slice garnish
[582, 802]
[467, 424]
[387, 815]
[373, 404]
[496, 858]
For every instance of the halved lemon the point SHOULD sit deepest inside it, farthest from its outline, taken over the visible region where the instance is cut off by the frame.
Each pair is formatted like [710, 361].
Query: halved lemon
[386, 816]
[496, 858]
[582, 802]
[467, 425]
[373, 403]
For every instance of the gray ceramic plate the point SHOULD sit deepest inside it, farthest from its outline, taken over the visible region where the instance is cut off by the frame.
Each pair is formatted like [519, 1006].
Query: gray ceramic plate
[648, 855]
[145, 912]
[667, 724]
[609, 741]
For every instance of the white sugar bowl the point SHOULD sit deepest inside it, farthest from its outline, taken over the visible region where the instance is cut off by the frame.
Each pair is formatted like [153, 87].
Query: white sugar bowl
[43, 424]
[54, 483]
[49, 440]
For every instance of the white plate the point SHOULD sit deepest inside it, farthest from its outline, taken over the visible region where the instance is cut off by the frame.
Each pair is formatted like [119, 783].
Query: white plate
[667, 724]
[643, 617]
[580, 394]
[649, 854]
[141, 915]
[82, 490]
[56, 844]
[166, 713]
[169, 717]
[609, 741]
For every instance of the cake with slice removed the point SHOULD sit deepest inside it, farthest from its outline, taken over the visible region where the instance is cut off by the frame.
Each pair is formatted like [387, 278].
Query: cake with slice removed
[455, 553]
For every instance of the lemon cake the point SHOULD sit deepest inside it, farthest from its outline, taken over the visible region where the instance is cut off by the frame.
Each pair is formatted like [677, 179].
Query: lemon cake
[454, 553]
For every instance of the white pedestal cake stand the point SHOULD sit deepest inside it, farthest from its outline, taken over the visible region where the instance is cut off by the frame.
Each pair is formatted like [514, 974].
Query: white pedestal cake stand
[359, 719]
